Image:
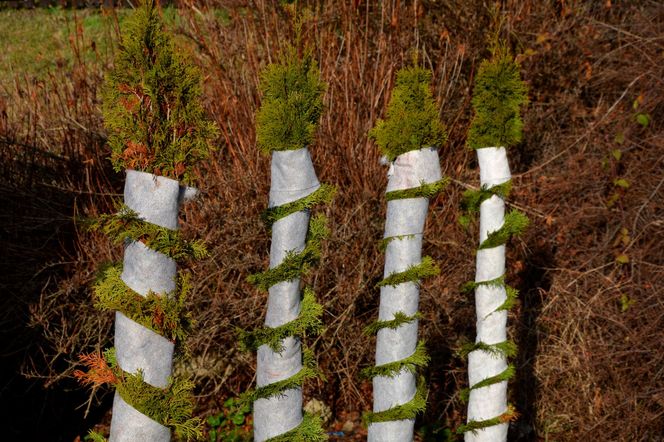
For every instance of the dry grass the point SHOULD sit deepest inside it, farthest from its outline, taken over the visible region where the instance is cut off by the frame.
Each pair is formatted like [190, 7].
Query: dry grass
[589, 328]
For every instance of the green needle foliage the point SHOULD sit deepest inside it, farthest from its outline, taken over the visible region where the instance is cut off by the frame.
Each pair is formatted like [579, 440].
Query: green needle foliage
[419, 358]
[151, 102]
[408, 410]
[472, 285]
[308, 322]
[164, 314]
[171, 406]
[426, 190]
[125, 224]
[510, 300]
[514, 224]
[512, 294]
[498, 96]
[383, 243]
[412, 116]
[295, 264]
[94, 437]
[291, 107]
[412, 123]
[505, 348]
[503, 376]
[472, 199]
[324, 194]
[310, 430]
[400, 318]
[474, 426]
[425, 269]
[292, 102]
[156, 124]
[309, 371]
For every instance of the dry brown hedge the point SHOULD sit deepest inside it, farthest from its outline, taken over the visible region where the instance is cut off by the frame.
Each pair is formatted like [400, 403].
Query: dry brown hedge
[589, 328]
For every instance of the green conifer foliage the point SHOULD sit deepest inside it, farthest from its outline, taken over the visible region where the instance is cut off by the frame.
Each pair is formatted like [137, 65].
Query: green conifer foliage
[286, 121]
[412, 116]
[151, 103]
[126, 225]
[498, 96]
[156, 125]
[412, 124]
[171, 406]
[292, 102]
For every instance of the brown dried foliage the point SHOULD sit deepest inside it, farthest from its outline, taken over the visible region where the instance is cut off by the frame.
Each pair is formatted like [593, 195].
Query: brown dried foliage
[589, 327]
[98, 371]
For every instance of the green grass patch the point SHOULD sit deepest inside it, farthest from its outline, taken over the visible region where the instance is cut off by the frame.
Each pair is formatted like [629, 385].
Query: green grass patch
[39, 41]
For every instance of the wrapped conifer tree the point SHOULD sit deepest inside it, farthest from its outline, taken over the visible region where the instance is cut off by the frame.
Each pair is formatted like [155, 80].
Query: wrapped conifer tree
[409, 139]
[157, 133]
[286, 122]
[498, 97]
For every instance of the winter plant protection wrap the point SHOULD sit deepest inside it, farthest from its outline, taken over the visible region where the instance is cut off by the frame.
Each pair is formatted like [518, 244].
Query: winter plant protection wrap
[408, 138]
[157, 132]
[498, 96]
[286, 121]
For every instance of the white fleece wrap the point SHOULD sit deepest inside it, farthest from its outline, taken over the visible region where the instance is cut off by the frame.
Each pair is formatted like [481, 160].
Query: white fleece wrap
[490, 401]
[156, 200]
[405, 219]
[128, 424]
[293, 177]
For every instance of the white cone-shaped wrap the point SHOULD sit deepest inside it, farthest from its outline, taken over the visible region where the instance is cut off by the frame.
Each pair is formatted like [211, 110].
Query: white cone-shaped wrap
[156, 200]
[292, 177]
[405, 219]
[491, 401]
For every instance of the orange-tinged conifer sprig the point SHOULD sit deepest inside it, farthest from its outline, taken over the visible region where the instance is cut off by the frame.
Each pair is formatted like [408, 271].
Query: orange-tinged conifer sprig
[152, 102]
[98, 371]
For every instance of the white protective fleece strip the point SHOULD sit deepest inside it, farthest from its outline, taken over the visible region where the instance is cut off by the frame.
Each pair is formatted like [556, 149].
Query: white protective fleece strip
[405, 220]
[130, 425]
[145, 270]
[412, 169]
[491, 401]
[156, 200]
[292, 177]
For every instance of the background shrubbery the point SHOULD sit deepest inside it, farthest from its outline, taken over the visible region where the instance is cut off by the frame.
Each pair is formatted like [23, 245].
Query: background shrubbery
[590, 323]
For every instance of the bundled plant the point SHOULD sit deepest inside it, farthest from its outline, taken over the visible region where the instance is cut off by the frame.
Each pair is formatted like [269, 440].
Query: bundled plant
[286, 122]
[409, 138]
[498, 96]
[157, 132]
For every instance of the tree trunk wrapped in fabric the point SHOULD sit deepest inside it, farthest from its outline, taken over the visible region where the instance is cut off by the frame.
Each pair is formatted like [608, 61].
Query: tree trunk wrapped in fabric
[157, 132]
[408, 138]
[291, 107]
[498, 96]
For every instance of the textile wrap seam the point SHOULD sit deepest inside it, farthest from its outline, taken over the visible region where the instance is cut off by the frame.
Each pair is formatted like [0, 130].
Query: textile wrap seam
[399, 397]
